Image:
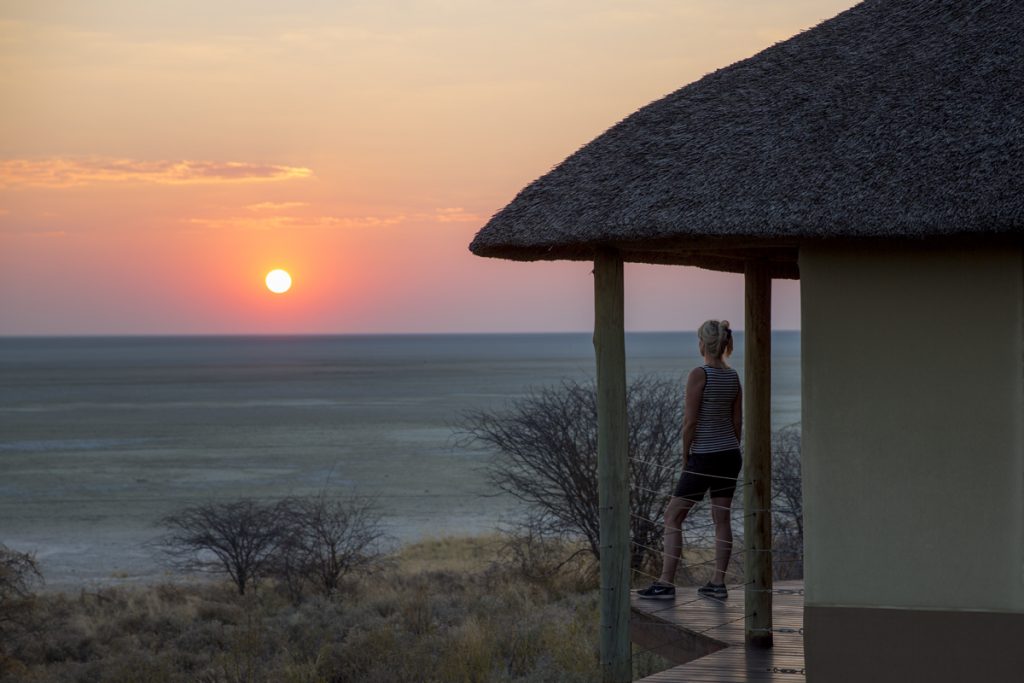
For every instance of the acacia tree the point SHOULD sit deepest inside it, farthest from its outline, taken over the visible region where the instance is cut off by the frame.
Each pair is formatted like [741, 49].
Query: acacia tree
[298, 541]
[330, 538]
[787, 503]
[547, 446]
[238, 538]
[19, 575]
[19, 578]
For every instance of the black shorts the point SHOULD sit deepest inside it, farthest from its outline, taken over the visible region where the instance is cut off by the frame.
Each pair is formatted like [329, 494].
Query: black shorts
[716, 472]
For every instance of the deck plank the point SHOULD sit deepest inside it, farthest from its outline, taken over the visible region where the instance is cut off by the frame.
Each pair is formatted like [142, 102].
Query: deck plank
[722, 621]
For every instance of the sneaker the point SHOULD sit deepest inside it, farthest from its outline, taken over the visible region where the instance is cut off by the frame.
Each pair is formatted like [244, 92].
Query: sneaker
[658, 591]
[713, 590]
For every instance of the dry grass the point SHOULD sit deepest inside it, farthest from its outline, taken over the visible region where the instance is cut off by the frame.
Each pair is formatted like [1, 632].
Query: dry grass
[448, 609]
[450, 553]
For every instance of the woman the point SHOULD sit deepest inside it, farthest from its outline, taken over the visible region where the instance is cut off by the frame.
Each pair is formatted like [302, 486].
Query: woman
[712, 421]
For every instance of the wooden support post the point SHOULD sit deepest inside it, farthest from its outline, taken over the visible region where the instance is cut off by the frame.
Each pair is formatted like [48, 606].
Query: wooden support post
[612, 466]
[757, 418]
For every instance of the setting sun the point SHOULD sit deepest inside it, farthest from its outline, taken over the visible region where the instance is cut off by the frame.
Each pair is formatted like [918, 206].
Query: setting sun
[279, 281]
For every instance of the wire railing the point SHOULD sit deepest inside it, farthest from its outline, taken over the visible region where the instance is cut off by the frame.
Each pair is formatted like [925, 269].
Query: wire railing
[724, 564]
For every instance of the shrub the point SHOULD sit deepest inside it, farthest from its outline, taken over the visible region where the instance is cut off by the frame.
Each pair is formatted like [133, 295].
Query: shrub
[326, 540]
[19, 575]
[238, 538]
[547, 446]
[19, 578]
[787, 504]
[449, 620]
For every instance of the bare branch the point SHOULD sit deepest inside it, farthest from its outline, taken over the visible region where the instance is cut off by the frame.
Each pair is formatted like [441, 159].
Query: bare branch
[547, 455]
[330, 538]
[237, 538]
[787, 502]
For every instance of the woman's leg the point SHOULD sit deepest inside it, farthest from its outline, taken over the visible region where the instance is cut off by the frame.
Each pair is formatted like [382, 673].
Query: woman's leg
[721, 514]
[675, 513]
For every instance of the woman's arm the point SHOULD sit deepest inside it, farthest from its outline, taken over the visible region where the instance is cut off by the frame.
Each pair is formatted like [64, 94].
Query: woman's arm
[737, 413]
[691, 410]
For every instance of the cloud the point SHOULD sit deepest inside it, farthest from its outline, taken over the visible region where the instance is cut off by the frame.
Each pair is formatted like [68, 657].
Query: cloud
[455, 215]
[275, 206]
[280, 215]
[70, 172]
[274, 222]
[362, 221]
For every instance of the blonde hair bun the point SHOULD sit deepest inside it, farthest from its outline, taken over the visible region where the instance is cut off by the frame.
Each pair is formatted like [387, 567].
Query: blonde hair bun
[716, 337]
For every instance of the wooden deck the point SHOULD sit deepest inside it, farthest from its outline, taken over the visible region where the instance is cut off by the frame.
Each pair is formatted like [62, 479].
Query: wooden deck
[710, 633]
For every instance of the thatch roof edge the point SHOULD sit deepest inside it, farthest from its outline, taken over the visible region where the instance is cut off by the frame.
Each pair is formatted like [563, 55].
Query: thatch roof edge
[895, 120]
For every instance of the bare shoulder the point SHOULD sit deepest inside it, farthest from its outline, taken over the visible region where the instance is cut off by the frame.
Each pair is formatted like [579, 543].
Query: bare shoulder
[697, 377]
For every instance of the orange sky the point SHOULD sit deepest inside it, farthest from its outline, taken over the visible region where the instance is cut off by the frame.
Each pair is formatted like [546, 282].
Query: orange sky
[157, 159]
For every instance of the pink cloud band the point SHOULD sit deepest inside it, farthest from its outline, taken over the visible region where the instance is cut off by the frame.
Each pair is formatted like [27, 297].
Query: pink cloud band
[70, 172]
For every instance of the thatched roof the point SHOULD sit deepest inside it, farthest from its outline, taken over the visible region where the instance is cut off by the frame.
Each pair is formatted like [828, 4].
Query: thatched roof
[897, 119]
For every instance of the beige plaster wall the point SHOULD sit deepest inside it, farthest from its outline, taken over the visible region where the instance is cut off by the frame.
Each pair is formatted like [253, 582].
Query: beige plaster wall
[913, 403]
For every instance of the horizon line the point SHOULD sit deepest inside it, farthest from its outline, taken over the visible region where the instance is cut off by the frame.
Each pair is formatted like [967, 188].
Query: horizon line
[100, 335]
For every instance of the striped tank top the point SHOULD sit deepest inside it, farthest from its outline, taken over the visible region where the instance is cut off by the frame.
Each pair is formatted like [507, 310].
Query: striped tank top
[715, 431]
